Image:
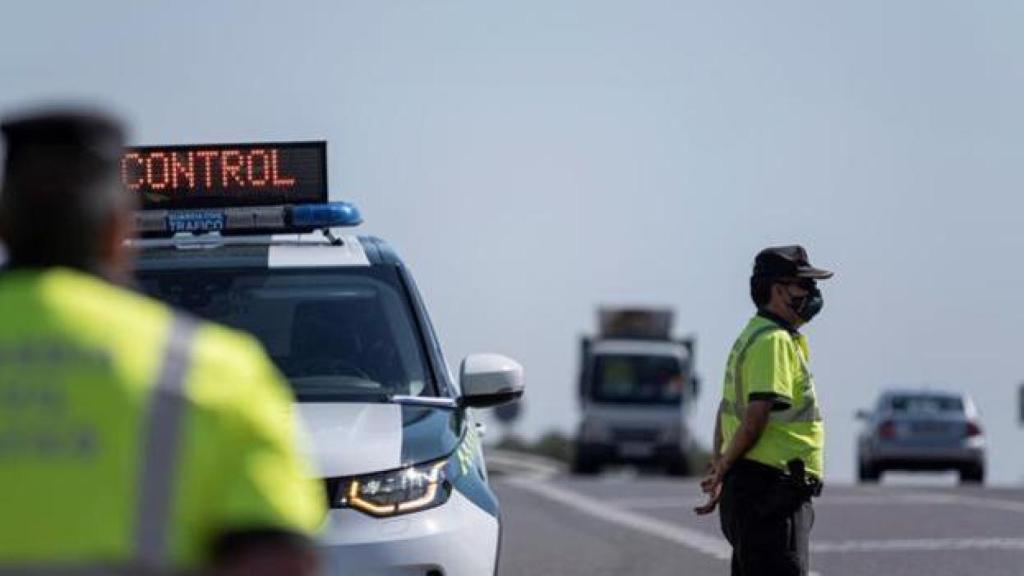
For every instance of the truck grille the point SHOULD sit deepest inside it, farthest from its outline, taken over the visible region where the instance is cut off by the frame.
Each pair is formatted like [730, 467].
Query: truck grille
[635, 434]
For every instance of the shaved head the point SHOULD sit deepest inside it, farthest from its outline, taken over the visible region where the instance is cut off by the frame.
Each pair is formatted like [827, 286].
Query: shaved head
[61, 201]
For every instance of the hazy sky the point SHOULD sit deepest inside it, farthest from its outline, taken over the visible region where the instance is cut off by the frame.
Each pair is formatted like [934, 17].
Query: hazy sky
[533, 159]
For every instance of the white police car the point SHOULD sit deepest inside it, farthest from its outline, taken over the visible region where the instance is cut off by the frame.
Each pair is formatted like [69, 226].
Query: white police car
[340, 315]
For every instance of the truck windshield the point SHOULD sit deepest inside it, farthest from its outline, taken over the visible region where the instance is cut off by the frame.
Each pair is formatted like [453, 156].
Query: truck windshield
[638, 379]
[337, 335]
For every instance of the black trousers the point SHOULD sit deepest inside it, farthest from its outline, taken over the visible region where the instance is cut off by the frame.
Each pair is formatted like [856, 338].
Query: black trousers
[767, 520]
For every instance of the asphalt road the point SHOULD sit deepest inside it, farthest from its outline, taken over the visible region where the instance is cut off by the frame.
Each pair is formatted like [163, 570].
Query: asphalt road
[623, 525]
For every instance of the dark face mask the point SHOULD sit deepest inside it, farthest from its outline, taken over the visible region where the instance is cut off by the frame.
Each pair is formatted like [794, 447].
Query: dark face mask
[807, 306]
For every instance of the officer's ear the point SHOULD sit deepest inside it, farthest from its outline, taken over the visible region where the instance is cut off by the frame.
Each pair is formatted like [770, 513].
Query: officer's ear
[117, 258]
[780, 292]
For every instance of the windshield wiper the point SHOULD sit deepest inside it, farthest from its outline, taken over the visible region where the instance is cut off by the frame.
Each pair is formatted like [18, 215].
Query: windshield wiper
[331, 394]
[433, 401]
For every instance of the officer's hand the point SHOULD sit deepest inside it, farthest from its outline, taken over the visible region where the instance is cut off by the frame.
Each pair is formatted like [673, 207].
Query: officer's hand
[713, 478]
[711, 485]
[268, 556]
[712, 503]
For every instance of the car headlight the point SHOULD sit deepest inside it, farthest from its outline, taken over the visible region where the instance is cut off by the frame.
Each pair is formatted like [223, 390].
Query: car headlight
[398, 491]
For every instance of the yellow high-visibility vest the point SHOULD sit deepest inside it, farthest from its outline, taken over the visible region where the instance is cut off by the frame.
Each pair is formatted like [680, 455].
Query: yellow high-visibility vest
[768, 362]
[131, 435]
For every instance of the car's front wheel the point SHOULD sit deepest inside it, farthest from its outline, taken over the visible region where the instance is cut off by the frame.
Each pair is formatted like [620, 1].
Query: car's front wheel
[678, 465]
[584, 462]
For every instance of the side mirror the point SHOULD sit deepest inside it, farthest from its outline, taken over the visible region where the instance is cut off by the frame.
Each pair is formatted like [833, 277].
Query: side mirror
[694, 387]
[489, 380]
[862, 415]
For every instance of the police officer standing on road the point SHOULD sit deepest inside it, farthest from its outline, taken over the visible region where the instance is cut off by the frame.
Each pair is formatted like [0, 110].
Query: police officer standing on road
[769, 436]
[133, 439]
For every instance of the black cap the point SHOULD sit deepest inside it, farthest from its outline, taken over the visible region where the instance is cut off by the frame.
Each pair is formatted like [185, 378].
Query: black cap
[786, 262]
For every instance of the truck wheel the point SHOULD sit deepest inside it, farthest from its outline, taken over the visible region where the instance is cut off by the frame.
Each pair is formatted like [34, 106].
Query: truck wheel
[868, 473]
[584, 463]
[678, 466]
[972, 474]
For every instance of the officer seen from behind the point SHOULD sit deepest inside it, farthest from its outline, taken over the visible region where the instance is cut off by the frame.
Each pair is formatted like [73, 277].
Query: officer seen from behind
[133, 439]
[769, 436]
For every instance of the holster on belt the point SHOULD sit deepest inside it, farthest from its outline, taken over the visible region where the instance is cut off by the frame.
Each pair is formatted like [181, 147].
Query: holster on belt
[807, 485]
[788, 491]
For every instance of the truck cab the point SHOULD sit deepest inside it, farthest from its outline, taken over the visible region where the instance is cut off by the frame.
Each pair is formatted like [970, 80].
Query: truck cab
[636, 389]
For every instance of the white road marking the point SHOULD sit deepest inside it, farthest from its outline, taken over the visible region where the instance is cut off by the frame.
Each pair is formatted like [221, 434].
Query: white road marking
[696, 540]
[923, 498]
[1001, 504]
[928, 544]
[518, 464]
[622, 476]
[620, 511]
[919, 499]
[655, 503]
[652, 503]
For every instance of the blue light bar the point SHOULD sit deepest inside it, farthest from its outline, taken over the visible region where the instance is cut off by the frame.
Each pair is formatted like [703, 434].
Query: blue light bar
[327, 215]
[248, 219]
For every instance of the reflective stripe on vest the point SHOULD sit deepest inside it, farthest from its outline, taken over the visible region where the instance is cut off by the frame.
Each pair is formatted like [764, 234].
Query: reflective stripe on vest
[807, 412]
[739, 402]
[160, 451]
[159, 464]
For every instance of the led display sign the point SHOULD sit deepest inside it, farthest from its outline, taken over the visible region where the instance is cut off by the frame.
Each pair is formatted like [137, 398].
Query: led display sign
[222, 175]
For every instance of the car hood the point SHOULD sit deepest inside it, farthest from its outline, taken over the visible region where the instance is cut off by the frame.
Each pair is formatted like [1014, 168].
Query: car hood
[349, 439]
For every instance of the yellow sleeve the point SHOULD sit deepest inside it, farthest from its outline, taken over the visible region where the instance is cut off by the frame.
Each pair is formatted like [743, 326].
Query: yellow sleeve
[271, 485]
[768, 369]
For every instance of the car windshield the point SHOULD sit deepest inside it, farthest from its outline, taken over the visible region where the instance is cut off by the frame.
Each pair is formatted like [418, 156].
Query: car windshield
[337, 335]
[921, 403]
[630, 378]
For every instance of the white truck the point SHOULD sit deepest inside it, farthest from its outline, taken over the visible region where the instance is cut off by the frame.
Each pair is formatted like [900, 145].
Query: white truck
[636, 386]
